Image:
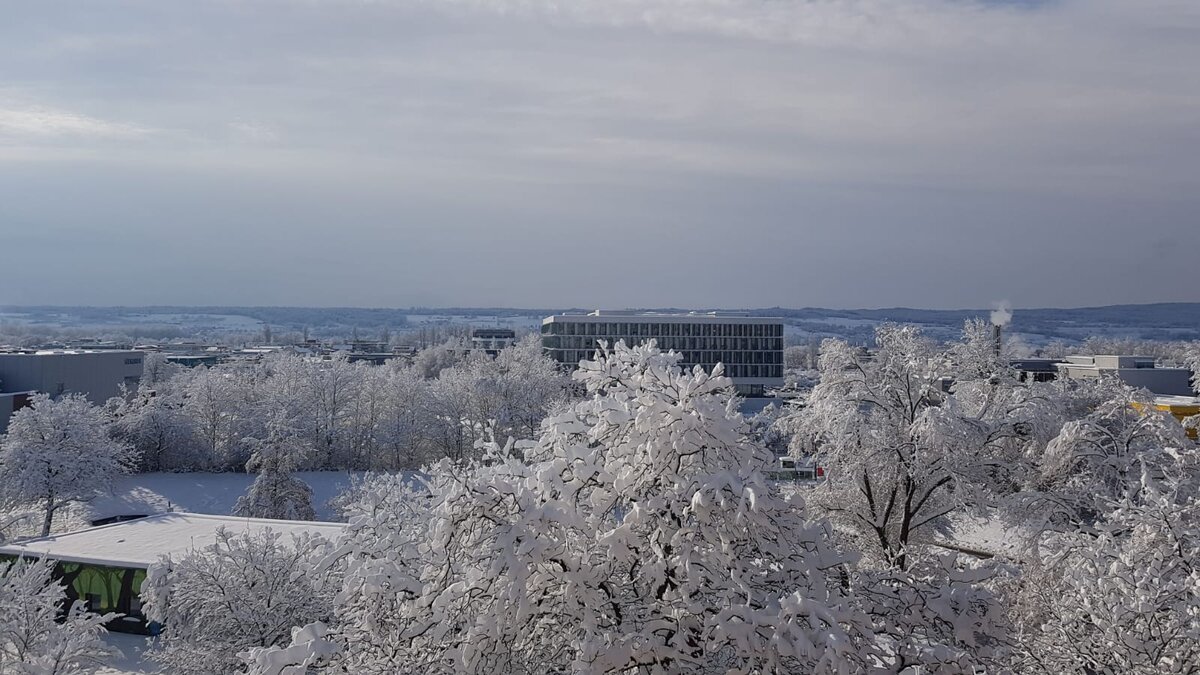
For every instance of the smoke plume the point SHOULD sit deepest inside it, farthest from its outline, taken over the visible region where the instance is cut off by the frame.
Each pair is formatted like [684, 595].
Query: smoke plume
[1002, 315]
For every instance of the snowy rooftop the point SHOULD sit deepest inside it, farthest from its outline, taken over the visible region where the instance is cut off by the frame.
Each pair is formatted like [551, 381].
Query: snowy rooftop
[1178, 400]
[137, 543]
[662, 317]
[65, 352]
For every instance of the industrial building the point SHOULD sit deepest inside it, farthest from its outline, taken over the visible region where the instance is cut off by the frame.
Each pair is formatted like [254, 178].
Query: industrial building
[1136, 371]
[10, 402]
[105, 566]
[97, 374]
[751, 348]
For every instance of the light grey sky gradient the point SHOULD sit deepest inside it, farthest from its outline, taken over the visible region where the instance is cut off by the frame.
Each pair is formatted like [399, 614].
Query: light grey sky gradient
[600, 153]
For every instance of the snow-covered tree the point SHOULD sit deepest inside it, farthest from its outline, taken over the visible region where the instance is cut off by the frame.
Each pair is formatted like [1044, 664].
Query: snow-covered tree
[510, 395]
[450, 428]
[38, 635]
[400, 435]
[1123, 597]
[530, 387]
[154, 423]
[942, 615]
[157, 370]
[241, 592]
[218, 402]
[275, 492]
[333, 385]
[431, 361]
[637, 535]
[58, 452]
[904, 446]
[1101, 459]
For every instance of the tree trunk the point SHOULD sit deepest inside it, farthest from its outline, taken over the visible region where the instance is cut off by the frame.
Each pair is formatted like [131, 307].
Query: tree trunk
[49, 519]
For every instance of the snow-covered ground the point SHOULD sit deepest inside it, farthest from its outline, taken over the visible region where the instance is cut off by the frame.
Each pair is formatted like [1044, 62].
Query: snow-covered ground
[132, 648]
[987, 535]
[213, 493]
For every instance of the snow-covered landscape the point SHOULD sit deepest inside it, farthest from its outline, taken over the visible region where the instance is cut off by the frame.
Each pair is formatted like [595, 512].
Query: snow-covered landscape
[483, 514]
[600, 337]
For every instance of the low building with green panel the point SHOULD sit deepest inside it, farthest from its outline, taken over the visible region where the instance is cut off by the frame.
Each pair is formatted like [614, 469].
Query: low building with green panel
[105, 566]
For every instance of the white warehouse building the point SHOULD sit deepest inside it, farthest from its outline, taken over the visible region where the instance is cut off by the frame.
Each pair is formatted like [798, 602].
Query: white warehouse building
[750, 347]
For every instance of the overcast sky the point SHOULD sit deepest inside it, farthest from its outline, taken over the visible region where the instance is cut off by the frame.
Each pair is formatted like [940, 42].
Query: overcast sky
[600, 153]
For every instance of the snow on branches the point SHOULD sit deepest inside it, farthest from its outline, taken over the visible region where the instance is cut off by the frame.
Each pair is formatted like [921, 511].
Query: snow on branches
[905, 445]
[38, 636]
[1122, 598]
[637, 534]
[241, 592]
[58, 452]
[1101, 459]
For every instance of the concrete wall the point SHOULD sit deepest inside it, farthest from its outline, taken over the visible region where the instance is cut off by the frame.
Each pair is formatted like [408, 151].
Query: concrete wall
[7, 403]
[1161, 381]
[96, 374]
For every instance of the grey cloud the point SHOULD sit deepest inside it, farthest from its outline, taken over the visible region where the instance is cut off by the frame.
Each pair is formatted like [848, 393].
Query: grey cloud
[686, 152]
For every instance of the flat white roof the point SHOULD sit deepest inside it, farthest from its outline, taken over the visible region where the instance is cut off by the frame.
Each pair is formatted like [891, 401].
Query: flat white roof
[651, 317]
[70, 352]
[138, 543]
[1177, 400]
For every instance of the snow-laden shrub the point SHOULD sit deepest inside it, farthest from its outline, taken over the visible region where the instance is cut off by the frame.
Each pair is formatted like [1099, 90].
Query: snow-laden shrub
[1123, 597]
[243, 591]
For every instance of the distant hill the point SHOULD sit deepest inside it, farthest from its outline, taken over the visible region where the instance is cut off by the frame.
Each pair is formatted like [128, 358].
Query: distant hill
[1158, 322]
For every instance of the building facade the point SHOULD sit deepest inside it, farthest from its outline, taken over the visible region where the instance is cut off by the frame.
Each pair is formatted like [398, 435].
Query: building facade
[1136, 371]
[751, 348]
[94, 373]
[492, 340]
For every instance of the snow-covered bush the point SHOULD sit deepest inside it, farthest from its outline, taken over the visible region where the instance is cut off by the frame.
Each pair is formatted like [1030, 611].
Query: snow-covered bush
[38, 635]
[1101, 459]
[241, 592]
[1123, 598]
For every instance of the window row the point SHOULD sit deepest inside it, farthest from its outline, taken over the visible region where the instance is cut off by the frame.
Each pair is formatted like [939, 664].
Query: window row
[678, 344]
[653, 329]
[734, 367]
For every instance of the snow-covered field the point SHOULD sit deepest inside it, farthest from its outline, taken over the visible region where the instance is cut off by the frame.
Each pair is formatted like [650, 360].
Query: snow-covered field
[213, 493]
[987, 535]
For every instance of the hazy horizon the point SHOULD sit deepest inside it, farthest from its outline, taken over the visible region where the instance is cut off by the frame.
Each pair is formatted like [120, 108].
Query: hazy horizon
[600, 153]
[531, 308]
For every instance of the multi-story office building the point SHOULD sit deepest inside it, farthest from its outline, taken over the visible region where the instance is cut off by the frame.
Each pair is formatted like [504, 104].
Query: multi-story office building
[492, 340]
[751, 348]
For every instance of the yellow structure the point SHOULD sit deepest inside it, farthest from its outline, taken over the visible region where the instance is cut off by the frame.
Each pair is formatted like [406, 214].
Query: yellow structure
[1180, 407]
